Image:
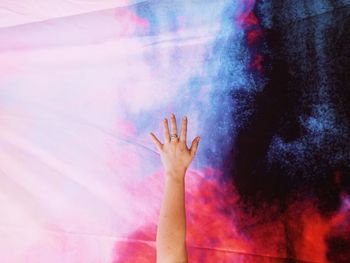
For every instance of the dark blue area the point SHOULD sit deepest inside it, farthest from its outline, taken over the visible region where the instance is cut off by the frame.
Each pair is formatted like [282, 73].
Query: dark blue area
[297, 137]
[299, 133]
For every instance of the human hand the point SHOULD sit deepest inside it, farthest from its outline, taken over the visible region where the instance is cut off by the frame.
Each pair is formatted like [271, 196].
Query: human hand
[175, 155]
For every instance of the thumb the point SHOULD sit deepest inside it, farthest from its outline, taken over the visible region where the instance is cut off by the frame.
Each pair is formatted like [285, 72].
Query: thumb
[194, 146]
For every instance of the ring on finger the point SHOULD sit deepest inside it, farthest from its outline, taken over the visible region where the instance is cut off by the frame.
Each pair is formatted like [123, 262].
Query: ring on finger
[173, 136]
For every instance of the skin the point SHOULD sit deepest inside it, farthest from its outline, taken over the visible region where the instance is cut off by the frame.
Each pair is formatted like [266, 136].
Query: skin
[176, 158]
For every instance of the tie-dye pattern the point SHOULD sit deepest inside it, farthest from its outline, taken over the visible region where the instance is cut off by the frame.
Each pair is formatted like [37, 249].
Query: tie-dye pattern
[264, 83]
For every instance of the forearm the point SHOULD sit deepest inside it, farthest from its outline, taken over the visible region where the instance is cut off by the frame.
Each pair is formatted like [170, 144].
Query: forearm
[171, 233]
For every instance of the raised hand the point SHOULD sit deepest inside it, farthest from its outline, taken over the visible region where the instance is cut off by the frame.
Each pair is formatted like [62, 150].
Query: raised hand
[175, 155]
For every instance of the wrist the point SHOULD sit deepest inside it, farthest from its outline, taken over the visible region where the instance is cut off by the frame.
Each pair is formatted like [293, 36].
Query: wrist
[175, 175]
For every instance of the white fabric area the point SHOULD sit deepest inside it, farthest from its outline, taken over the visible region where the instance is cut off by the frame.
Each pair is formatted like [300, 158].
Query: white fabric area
[17, 12]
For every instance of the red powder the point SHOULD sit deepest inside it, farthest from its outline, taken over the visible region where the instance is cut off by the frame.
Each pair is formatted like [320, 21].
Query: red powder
[213, 235]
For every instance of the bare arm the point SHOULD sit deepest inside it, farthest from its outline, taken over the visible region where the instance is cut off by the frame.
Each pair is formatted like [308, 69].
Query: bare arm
[171, 233]
[176, 158]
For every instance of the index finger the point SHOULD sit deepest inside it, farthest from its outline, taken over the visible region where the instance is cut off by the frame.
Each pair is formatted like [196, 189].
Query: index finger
[183, 130]
[166, 132]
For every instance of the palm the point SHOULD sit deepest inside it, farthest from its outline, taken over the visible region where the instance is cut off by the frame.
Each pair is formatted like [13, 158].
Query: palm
[177, 155]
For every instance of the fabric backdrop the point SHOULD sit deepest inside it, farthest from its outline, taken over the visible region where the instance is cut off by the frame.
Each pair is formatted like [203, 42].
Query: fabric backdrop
[265, 84]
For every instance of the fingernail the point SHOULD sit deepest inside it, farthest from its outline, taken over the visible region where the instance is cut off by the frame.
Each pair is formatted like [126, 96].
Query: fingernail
[198, 139]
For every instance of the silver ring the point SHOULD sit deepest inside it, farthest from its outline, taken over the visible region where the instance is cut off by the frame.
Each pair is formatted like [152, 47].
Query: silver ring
[173, 136]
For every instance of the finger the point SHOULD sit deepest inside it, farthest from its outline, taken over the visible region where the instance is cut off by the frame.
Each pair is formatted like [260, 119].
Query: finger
[158, 144]
[183, 130]
[166, 131]
[194, 146]
[173, 124]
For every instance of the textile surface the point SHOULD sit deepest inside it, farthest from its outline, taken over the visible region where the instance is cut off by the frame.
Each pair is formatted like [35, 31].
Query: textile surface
[265, 84]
